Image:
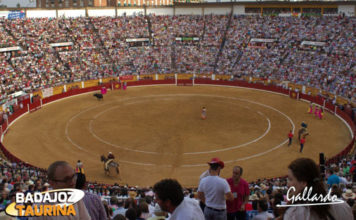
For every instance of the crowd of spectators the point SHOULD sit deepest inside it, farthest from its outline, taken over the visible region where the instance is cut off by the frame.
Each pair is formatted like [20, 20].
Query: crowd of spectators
[262, 196]
[6, 40]
[219, 44]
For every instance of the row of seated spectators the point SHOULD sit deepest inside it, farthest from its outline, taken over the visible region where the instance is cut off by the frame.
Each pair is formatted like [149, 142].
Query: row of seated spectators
[218, 44]
[17, 177]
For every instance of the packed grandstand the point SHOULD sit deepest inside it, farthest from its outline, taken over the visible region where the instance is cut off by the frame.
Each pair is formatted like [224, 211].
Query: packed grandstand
[313, 51]
[318, 52]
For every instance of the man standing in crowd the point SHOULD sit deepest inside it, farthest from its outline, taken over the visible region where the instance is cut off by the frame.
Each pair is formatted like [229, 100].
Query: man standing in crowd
[333, 178]
[92, 202]
[240, 191]
[61, 175]
[169, 196]
[214, 191]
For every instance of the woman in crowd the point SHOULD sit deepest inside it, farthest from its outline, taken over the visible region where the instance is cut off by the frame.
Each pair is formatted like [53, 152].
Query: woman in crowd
[302, 173]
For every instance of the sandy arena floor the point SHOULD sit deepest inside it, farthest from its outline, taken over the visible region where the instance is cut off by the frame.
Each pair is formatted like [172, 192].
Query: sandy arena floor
[156, 132]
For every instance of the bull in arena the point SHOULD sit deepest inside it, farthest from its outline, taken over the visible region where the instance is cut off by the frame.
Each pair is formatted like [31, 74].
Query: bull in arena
[99, 96]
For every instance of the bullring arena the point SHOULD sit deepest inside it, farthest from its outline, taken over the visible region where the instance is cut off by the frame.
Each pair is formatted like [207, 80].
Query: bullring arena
[173, 89]
[156, 132]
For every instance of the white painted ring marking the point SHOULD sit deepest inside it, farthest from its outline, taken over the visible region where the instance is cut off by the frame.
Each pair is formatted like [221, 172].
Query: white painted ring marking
[194, 165]
[109, 143]
[187, 153]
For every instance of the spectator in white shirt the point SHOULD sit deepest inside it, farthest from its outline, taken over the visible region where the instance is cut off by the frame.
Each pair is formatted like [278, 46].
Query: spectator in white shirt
[169, 196]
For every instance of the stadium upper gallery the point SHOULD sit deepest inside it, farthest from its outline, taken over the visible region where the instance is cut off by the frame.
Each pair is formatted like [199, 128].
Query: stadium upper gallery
[256, 85]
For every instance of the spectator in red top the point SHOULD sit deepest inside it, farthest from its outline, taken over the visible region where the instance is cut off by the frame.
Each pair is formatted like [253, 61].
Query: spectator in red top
[239, 188]
[302, 141]
[290, 136]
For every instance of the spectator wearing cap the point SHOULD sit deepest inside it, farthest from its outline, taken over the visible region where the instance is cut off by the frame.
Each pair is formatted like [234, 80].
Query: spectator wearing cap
[92, 202]
[214, 191]
[207, 173]
[348, 194]
[240, 191]
[132, 193]
[169, 196]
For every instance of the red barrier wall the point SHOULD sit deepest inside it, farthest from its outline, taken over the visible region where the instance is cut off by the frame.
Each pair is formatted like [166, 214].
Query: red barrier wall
[318, 100]
[245, 84]
[272, 88]
[150, 82]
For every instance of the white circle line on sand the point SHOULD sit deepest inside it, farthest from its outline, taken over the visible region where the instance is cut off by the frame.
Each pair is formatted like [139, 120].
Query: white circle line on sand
[78, 114]
[67, 126]
[254, 155]
[109, 143]
[238, 146]
[241, 145]
[203, 95]
[187, 153]
[145, 164]
[243, 158]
